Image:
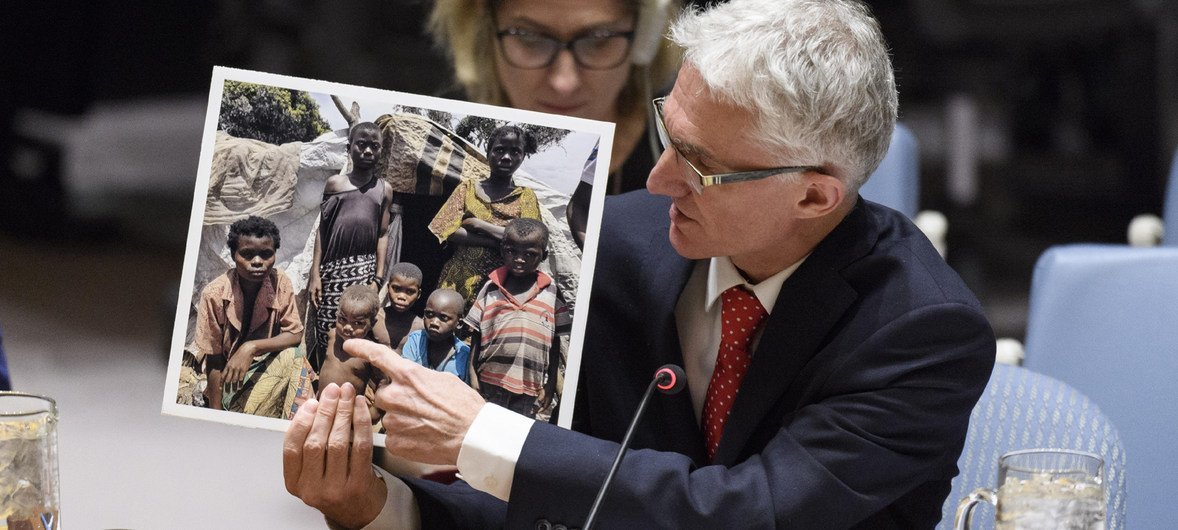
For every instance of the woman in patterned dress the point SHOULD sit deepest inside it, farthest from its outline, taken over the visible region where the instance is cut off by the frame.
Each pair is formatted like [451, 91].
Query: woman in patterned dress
[472, 219]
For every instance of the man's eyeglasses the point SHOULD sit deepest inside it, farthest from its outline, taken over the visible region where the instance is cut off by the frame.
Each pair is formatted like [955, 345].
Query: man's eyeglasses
[696, 179]
[597, 50]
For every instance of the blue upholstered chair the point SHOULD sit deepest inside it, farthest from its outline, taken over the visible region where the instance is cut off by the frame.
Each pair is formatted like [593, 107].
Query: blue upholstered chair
[1149, 230]
[1104, 319]
[1021, 409]
[896, 184]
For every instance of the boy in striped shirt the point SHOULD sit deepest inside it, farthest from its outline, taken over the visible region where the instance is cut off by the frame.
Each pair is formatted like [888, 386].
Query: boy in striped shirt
[515, 319]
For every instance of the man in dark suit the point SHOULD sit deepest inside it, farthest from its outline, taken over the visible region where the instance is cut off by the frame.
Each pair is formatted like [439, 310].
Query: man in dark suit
[832, 357]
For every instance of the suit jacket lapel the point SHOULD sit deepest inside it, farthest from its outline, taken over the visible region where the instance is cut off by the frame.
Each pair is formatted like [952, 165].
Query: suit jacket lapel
[811, 302]
[674, 411]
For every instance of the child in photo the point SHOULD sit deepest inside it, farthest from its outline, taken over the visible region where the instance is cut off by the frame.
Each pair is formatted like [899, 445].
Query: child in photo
[355, 319]
[516, 317]
[472, 219]
[248, 329]
[396, 319]
[436, 346]
[352, 239]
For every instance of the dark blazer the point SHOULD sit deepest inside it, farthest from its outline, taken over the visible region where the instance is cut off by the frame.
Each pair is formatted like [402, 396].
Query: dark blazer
[853, 412]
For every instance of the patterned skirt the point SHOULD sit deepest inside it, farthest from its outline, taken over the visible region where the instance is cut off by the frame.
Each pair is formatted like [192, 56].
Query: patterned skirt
[275, 385]
[335, 276]
[466, 271]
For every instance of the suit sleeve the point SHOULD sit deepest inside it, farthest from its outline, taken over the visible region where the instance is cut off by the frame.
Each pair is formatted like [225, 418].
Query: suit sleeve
[883, 422]
[456, 505]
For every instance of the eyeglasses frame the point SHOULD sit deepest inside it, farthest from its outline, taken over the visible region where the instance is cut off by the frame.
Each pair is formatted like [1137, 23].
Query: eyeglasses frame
[565, 45]
[719, 178]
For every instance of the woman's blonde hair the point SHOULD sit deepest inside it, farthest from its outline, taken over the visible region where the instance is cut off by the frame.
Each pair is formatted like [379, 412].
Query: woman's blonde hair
[465, 30]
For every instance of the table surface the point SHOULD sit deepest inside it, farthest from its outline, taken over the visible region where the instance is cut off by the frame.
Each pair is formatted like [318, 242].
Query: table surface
[122, 463]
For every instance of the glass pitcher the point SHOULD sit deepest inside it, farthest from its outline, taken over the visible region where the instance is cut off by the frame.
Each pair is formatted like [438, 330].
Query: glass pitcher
[1043, 489]
[28, 462]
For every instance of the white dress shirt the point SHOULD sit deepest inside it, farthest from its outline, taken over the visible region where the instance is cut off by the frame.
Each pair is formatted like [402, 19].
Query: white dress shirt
[697, 315]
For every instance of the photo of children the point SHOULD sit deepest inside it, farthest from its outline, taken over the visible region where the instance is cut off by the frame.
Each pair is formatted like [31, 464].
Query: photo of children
[436, 227]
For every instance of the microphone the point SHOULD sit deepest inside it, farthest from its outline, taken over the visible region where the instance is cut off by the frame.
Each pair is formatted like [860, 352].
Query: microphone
[669, 379]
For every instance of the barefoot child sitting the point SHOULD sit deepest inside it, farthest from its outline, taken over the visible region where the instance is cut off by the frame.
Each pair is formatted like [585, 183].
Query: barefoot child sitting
[248, 328]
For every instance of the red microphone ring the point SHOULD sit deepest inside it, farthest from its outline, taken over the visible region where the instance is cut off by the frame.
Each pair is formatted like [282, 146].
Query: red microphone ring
[670, 382]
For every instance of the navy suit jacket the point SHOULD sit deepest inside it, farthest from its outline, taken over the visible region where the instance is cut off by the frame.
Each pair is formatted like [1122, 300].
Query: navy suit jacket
[853, 412]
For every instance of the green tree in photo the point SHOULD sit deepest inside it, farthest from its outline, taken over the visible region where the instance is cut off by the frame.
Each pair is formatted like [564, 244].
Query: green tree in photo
[477, 130]
[270, 114]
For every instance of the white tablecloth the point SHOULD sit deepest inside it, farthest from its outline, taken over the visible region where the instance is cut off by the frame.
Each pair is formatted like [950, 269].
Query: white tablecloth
[123, 464]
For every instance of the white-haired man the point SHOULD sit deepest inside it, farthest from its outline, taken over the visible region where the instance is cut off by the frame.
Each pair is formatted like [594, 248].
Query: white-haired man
[832, 357]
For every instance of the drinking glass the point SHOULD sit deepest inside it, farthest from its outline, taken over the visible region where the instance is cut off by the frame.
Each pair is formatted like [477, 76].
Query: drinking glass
[28, 462]
[1043, 489]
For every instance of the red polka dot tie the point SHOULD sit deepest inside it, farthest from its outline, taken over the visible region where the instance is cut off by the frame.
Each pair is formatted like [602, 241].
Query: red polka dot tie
[741, 315]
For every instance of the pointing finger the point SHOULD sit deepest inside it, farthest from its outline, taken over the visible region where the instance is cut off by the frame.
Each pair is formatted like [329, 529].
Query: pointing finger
[382, 357]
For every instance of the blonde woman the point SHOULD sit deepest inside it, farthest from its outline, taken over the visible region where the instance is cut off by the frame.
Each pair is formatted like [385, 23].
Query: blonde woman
[595, 59]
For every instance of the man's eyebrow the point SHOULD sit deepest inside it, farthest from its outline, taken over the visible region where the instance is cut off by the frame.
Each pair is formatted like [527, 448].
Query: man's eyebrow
[688, 148]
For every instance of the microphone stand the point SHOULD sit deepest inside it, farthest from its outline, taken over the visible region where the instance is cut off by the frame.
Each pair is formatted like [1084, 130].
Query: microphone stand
[622, 452]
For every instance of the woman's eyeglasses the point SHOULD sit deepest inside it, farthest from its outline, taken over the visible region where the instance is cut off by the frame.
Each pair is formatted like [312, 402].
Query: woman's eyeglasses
[597, 50]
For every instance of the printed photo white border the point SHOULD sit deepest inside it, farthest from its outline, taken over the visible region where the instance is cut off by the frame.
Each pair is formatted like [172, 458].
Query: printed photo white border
[603, 131]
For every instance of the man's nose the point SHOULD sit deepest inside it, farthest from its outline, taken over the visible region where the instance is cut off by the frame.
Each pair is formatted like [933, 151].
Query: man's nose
[666, 177]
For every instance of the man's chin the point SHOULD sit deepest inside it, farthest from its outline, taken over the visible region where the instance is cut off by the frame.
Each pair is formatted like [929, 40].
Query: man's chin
[685, 247]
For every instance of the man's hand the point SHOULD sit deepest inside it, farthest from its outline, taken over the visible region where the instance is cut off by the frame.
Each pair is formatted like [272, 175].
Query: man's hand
[327, 458]
[427, 413]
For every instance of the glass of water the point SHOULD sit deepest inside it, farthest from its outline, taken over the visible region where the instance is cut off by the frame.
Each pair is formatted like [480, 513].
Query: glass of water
[28, 462]
[1043, 489]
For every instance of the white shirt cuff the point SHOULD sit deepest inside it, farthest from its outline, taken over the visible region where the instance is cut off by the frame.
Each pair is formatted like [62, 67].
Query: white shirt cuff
[491, 449]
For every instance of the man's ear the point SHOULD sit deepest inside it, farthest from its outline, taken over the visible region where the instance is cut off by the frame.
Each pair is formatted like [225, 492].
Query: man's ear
[822, 194]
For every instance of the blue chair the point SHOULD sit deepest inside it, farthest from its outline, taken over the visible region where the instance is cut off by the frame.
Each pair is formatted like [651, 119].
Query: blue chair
[1021, 409]
[1104, 319]
[1147, 230]
[896, 184]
